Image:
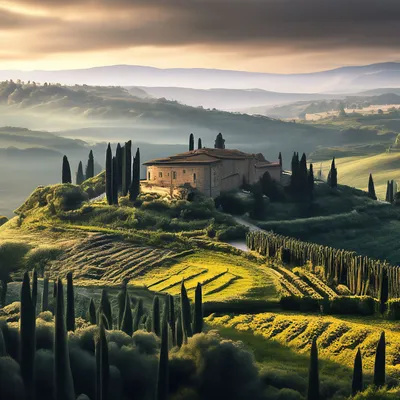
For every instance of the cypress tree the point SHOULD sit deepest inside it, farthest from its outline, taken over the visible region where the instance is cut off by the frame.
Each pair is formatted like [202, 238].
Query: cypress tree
[90, 166]
[66, 171]
[219, 142]
[114, 182]
[126, 167]
[134, 189]
[380, 360]
[63, 382]
[198, 310]
[313, 374]
[156, 328]
[70, 303]
[45, 296]
[54, 302]
[102, 364]
[80, 178]
[163, 375]
[388, 197]
[3, 347]
[121, 303]
[371, 188]
[311, 181]
[383, 294]
[127, 322]
[92, 313]
[332, 178]
[179, 331]
[34, 289]
[303, 176]
[280, 159]
[105, 308]
[191, 142]
[199, 144]
[138, 315]
[357, 383]
[109, 175]
[186, 314]
[294, 180]
[171, 310]
[118, 155]
[27, 344]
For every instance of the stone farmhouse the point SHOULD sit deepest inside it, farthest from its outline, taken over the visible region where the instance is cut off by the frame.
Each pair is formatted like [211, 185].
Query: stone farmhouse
[210, 170]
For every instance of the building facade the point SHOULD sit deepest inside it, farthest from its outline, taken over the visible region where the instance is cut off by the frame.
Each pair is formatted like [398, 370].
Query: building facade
[211, 171]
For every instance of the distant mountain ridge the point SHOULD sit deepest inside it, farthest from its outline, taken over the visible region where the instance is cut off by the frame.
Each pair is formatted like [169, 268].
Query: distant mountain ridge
[343, 79]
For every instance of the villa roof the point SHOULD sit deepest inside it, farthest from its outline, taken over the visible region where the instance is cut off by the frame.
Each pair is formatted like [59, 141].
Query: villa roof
[207, 156]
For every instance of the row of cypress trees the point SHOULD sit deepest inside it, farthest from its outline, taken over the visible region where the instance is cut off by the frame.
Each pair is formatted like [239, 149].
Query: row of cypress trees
[66, 176]
[122, 173]
[191, 143]
[363, 275]
[169, 329]
[357, 385]
[302, 180]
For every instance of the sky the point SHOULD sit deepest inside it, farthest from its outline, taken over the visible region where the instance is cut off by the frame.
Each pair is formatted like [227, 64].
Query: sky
[281, 36]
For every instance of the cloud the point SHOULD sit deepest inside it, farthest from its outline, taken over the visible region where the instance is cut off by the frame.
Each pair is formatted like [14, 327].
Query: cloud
[256, 27]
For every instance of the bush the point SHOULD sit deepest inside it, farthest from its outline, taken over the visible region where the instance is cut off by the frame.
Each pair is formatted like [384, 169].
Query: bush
[232, 233]
[364, 305]
[295, 303]
[393, 309]
[67, 197]
[3, 220]
[231, 204]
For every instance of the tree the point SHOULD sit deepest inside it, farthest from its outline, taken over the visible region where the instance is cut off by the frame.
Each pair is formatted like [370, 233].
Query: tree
[45, 296]
[389, 192]
[155, 320]
[163, 375]
[280, 159]
[371, 188]
[70, 303]
[92, 313]
[114, 181]
[79, 179]
[138, 315]
[313, 374]
[63, 382]
[27, 344]
[121, 303]
[383, 293]
[186, 314]
[191, 142]
[118, 154]
[109, 175]
[66, 171]
[102, 363]
[90, 166]
[310, 185]
[126, 167]
[219, 142]
[294, 180]
[134, 189]
[199, 144]
[171, 314]
[127, 321]
[332, 177]
[303, 177]
[34, 289]
[357, 382]
[198, 310]
[258, 210]
[179, 331]
[380, 361]
[105, 308]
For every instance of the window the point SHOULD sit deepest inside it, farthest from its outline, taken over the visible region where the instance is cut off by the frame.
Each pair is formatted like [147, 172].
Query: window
[160, 174]
[148, 176]
[173, 174]
[184, 171]
[194, 177]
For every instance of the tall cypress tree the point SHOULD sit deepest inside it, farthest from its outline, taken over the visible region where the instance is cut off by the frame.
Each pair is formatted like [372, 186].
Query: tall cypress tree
[171, 311]
[186, 314]
[155, 319]
[191, 142]
[109, 175]
[219, 141]
[127, 320]
[118, 155]
[63, 382]
[280, 159]
[138, 315]
[126, 167]
[114, 181]
[70, 303]
[294, 180]
[105, 308]
[179, 331]
[198, 310]
[27, 335]
[80, 178]
[121, 303]
[34, 289]
[313, 373]
[45, 296]
[332, 177]
[92, 313]
[383, 293]
[90, 166]
[163, 374]
[371, 188]
[66, 171]
[303, 177]
[357, 382]
[102, 364]
[380, 362]
[311, 181]
[199, 144]
[389, 197]
[134, 189]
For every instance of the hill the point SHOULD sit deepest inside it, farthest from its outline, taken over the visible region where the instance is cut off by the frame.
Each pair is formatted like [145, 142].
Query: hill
[344, 79]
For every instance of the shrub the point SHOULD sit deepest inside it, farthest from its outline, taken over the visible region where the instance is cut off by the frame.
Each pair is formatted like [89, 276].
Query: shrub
[393, 309]
[3, 220]
[231, 204]
[68, 197]
[232, 233]
[364, 305]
